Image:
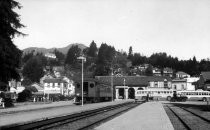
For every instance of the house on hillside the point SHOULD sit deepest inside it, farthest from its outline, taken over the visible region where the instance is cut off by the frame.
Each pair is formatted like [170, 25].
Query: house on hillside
[58, 71]
[50, 55]
[181, 74]
[168, 72]
[204, 81]
[156, 71]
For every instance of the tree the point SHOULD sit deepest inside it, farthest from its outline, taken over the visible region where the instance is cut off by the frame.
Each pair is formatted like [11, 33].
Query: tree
[72, 55]
[104, 61]
[92, 50]
[33, 69]
[60, 57]
[10, 55]
[130, 53]
[148, 71]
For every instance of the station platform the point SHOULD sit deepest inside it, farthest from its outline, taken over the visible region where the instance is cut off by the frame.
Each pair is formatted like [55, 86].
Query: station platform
[147, 116]
[21, 114]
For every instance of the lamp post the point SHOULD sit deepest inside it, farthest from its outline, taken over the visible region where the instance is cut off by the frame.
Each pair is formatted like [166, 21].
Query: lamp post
[112, 83]
[82, 58]
[124, 88]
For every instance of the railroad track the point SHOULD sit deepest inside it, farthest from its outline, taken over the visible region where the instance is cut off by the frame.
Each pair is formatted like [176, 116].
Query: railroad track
[184, 119]
[77, 120]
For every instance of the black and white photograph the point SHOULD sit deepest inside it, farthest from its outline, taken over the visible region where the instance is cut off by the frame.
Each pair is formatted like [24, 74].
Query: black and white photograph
[104, 65]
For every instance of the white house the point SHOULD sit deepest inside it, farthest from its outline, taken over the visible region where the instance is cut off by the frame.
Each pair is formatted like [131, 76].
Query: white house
[179, 84]
[54, 86]
[181, 74]
[50, 55]
[190, 82]
[168, 72]
[70, 86]
[156, 72]
[15, 86]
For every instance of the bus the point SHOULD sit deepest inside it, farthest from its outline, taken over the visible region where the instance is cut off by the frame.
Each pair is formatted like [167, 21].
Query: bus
[195, 95]
[162, 93]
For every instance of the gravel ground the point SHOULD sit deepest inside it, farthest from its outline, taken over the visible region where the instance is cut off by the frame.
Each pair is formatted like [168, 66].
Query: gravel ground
[91, 120]
[191, 120]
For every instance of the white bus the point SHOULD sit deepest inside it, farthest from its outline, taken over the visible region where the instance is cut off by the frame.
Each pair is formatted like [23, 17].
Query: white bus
[195, 95]
[163, 93]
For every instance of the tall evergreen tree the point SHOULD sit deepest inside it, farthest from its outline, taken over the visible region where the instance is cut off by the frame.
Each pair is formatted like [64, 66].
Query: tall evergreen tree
[130, 53]
[104, 61]
[92, 50]
[10, 55]
[60, 57]
[33, 69]
[72, 55]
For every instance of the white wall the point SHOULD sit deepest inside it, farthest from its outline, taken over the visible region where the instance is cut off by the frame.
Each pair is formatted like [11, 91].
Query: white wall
[190, 80]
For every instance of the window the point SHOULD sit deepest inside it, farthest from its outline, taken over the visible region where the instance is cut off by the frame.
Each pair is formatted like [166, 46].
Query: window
[155, 84]
[165, 83]
[140, 88]
[78, 85]
[174, 86]
[183, 87]
[92, 85]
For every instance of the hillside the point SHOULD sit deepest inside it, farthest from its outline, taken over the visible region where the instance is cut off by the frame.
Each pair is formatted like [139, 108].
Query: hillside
[64, 50]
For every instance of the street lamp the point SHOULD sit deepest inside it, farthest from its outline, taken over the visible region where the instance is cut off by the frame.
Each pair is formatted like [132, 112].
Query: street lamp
[124, 88]
[112, 83]
[83, 59]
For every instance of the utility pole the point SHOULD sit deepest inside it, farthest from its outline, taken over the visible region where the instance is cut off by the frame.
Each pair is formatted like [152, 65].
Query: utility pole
[124, 89]
[82, 58]
[112, 84]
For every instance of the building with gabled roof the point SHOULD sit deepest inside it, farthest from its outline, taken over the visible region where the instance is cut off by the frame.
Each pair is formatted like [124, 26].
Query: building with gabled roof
[134, 83]
[156, 71]
[181, 74]
[168, 72]
[204, 81]
[179, 84]
[54, 86]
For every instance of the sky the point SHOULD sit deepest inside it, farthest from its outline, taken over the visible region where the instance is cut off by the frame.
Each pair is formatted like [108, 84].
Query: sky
[181, 28]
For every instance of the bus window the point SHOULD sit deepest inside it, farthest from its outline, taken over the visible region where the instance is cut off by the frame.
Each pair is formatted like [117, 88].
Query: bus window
[158, 92]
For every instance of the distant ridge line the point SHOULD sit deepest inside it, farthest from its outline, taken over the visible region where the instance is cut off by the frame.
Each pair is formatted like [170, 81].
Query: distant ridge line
[64, 50]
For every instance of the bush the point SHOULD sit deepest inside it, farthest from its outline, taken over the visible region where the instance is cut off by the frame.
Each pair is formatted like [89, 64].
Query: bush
[25, 95]
[8, 102]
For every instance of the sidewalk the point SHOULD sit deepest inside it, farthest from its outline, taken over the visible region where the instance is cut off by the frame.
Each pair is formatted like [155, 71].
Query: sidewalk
[148, 116]
[34, 106]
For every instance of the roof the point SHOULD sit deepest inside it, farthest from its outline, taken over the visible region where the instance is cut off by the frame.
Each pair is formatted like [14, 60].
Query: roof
[54, 80]
[206, 75]
[179, 80]
[168, 70]
[131, 80]
[181, 73]
[37, 86]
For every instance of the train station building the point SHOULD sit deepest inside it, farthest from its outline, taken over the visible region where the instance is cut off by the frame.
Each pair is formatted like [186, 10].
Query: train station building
[125, 87]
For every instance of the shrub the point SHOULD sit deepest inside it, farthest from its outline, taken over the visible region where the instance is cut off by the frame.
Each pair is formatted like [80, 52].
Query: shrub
[8, 102]
[25, 95]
